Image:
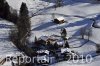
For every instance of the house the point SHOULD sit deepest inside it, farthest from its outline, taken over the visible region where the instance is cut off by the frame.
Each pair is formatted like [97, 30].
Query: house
[53, 40]
[59, 20]
[47, 39]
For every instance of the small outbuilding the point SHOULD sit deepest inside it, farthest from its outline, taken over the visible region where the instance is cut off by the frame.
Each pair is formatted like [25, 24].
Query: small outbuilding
[59, 20]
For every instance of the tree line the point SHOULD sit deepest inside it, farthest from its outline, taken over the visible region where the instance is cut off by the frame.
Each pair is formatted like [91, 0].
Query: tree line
[6, 12]
[23, 26]
[21, 21]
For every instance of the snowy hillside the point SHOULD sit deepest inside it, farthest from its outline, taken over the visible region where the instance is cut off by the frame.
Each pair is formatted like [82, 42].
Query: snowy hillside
[94, 63]
[17, 3]
[95, 37]
[77, 14]
[6, 46]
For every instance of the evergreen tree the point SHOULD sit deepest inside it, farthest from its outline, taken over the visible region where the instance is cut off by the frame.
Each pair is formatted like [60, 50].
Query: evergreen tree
[82, 32]
[2, 3]
[7, 11]
[67, 44]
[23, 24]
[63, 33]
[13, 17]
[36, 39]
[56, 46]
[49, 46]
[2, 7]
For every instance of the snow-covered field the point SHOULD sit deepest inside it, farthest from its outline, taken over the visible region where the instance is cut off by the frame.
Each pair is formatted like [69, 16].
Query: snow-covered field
[77, 14]
[95, 62]
[6, 47]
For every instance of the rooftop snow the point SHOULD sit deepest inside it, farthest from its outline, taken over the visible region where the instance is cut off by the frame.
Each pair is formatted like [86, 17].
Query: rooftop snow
[60, 18]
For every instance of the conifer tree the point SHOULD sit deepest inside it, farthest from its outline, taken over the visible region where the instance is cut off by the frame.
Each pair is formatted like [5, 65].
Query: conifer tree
[2, 5]
[98, 48]
[63, 33]
[23, 24]
[36, 39]
[56, 46]
[7, 11]
[67, 44]
[4, 9]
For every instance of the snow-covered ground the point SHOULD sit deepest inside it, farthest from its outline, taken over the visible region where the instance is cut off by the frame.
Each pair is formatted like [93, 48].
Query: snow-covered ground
[7, 48]
[95, 62]
[77, 14]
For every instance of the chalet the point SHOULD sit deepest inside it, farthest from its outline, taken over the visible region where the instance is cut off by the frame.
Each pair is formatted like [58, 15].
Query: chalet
[59, 20]
[47, 39]
[53, 39]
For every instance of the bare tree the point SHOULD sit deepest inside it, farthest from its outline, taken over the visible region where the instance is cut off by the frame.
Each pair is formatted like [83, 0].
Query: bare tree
[63, 33]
